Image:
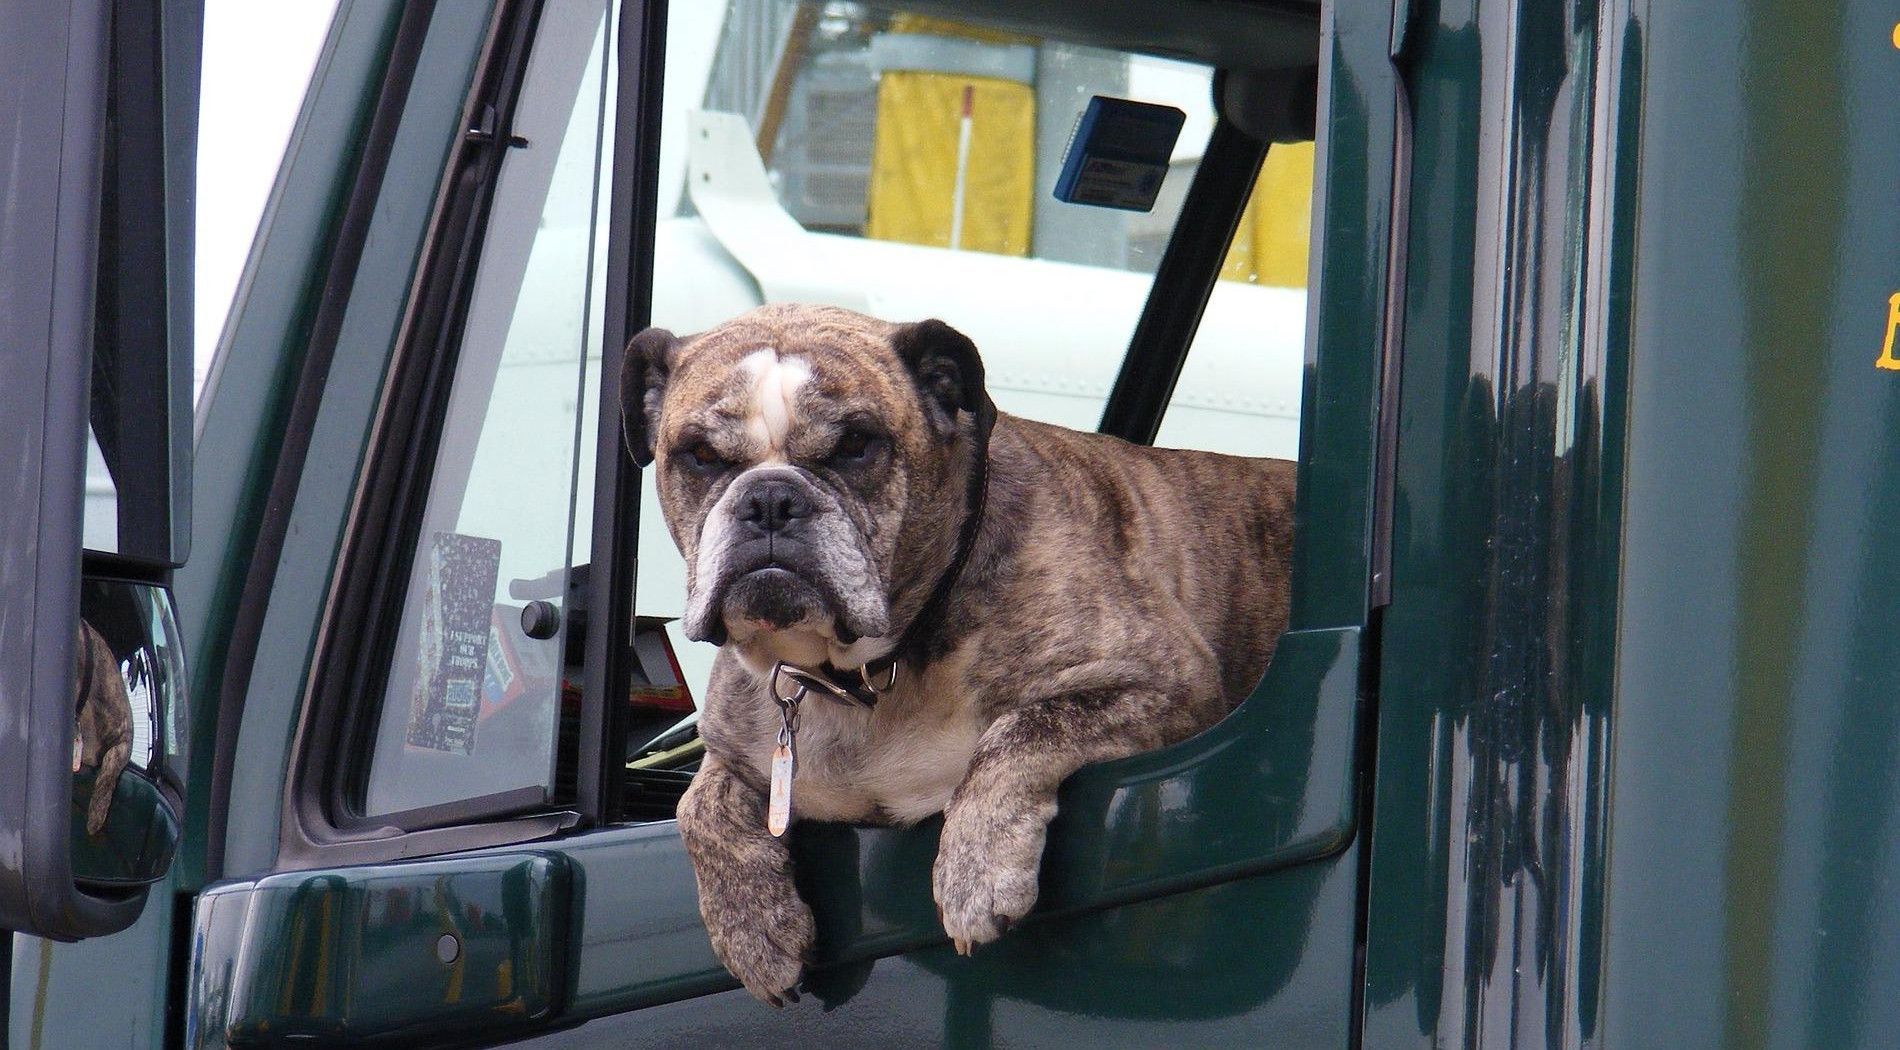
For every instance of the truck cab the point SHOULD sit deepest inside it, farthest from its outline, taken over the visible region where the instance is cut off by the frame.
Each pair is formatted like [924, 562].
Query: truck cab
[344, 700]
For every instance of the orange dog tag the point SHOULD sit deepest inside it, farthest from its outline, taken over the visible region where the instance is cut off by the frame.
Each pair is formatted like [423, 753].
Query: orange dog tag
[778, 808]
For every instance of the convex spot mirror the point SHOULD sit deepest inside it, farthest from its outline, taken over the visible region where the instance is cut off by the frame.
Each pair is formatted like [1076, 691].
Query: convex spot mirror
[128, 687]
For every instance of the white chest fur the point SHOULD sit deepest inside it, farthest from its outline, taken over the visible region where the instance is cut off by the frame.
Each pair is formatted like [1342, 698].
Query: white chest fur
[899, 762]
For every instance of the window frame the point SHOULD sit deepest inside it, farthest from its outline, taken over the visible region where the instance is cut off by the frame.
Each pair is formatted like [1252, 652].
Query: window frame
[344, 699]
[395, 483]
[1302, 854]
[459, 390]
[330, 762]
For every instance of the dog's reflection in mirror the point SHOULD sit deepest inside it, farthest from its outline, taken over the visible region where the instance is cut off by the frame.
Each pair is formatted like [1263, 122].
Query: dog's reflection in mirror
[102, 721]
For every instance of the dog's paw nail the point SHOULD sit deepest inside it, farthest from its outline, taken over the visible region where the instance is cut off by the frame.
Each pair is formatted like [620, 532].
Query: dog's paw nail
[791, 995]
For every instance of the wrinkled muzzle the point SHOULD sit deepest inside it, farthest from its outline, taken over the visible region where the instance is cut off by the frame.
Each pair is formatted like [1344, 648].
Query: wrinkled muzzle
[778, 552]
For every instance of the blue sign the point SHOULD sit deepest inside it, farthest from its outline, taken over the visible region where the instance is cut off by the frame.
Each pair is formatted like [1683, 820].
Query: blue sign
[1119, 154]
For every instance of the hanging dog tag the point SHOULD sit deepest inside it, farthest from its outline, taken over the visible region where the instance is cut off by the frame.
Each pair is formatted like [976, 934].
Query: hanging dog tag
[778, 807]
[778, 802]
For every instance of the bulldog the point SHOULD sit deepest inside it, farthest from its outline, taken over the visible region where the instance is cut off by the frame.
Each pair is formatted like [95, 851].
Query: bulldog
[927, 606]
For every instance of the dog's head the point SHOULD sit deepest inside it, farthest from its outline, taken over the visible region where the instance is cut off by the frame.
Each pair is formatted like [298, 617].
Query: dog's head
[811, 465]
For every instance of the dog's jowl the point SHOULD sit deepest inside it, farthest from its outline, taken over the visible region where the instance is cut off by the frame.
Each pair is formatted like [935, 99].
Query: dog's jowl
[925, 605]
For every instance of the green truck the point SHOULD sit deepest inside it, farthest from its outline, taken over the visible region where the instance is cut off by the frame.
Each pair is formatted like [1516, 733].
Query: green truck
[1579, 317]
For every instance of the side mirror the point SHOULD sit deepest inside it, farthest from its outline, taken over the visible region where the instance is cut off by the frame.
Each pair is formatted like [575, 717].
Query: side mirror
[95, 351]
[129, 681]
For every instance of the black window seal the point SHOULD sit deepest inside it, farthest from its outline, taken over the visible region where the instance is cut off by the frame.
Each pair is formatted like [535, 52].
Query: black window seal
[632, 219]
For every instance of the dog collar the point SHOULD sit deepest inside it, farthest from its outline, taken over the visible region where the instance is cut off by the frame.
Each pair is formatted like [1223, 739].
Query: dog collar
[791, 683]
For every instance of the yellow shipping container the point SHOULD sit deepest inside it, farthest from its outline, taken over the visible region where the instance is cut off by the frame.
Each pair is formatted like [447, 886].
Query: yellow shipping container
[1270, 245]
[914, 162]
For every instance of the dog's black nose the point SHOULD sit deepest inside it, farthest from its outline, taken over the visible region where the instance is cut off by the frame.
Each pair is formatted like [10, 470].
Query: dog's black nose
[772, 506]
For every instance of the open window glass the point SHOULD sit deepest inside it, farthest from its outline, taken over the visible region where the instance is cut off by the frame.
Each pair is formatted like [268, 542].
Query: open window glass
[482, 688]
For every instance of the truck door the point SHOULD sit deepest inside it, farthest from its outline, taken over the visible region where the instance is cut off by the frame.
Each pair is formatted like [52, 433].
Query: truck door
[451, 720]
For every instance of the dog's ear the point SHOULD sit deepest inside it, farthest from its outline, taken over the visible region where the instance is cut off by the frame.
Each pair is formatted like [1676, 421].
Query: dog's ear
[948, 372]
[643, 373]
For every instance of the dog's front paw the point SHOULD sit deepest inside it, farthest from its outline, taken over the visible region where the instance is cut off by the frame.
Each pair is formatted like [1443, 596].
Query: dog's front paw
[986, 871]
[763, 933]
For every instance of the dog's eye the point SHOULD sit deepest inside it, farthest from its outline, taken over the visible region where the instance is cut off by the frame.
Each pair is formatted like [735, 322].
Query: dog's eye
[852, 447]
[702, 455]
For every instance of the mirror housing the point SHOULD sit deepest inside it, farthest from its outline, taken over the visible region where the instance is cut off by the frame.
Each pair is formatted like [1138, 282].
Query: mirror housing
[92, 252]
[135, 848]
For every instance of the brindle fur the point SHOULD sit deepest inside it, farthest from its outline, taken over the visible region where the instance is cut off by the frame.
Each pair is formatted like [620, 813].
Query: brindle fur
[102, 722]
[1118, 599]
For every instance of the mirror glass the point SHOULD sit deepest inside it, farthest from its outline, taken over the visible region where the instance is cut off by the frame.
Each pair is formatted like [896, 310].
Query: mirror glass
[128, 697]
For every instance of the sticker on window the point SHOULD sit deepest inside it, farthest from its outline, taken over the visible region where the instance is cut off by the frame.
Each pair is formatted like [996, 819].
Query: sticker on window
[452, 654]
[517, 665]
